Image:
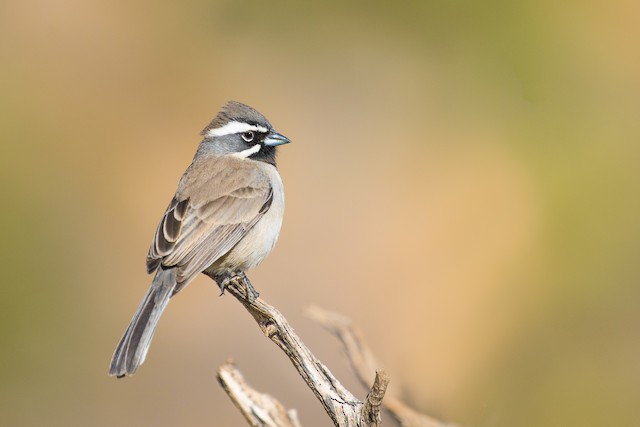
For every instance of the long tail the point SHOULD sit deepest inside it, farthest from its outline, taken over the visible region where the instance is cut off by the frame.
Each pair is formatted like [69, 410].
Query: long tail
[133, 346]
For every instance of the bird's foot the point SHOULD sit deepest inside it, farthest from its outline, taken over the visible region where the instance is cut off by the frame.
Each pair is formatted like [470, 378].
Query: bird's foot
[222, 280]
[238, 280]
[222, 285]
[242, 281]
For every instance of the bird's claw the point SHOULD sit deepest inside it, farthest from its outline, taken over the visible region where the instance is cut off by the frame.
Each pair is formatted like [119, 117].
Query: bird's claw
[250, 292]
[240, 280]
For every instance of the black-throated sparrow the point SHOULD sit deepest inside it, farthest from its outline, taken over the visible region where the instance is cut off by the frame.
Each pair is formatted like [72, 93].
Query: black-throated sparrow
[223, 220]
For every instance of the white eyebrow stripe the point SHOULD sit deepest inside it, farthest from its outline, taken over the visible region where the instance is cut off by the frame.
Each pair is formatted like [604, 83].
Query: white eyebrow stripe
[236, 127]
[249, 151]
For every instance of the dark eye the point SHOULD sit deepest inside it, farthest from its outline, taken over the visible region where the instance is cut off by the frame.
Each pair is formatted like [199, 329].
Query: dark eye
[248, 136]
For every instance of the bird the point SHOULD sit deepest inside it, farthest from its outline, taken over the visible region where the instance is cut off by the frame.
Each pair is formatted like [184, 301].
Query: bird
[223, 220]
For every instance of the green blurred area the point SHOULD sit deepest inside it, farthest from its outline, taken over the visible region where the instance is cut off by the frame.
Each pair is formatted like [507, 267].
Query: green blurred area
[463, 183]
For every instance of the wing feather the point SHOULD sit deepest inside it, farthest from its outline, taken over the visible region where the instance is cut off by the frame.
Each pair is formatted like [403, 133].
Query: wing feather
[211, 211]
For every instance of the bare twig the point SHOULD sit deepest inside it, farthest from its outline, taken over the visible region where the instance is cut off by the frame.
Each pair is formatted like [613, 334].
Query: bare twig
[363, 364]
[371, 411]
[343, 407]
[259, 409]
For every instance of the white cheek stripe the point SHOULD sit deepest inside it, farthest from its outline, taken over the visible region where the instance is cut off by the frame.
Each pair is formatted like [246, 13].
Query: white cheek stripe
[249, 151]
[235, 127]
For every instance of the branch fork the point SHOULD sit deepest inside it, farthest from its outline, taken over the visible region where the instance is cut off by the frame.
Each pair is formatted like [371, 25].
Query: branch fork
[344, 409]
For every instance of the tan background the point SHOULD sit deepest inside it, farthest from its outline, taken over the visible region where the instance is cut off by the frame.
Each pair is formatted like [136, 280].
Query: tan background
[463, 183]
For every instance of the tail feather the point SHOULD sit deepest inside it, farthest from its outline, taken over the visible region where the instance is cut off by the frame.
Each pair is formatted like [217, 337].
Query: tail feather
[132, 348]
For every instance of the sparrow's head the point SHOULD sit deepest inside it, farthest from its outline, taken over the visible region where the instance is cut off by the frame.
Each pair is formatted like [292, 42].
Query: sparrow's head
[239, 130]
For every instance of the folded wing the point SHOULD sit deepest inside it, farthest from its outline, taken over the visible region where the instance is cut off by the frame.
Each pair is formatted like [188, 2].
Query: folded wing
[211, 211]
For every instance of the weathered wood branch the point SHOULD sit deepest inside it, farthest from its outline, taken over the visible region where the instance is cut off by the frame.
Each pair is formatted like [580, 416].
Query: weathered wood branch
[344, 409]
[363, 364]
[259, 409]
[371, 410]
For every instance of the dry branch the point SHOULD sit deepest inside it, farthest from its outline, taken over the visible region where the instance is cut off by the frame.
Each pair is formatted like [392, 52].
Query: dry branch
[371, 410]
[343, 407]
[363, 364]
[259, 409]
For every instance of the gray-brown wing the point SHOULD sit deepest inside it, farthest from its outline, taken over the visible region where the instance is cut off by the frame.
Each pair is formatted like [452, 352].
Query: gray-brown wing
[217, 202]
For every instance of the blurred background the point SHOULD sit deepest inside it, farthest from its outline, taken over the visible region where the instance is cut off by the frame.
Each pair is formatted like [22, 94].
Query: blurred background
[464, 184]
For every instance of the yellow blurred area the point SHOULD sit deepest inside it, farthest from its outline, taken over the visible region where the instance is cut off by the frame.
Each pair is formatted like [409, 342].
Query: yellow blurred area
[463, 182]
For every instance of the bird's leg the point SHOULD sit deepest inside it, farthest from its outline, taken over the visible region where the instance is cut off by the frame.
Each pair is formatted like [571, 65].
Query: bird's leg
[242, 280]
[221, 279]
[222, 283]
[238, 279]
